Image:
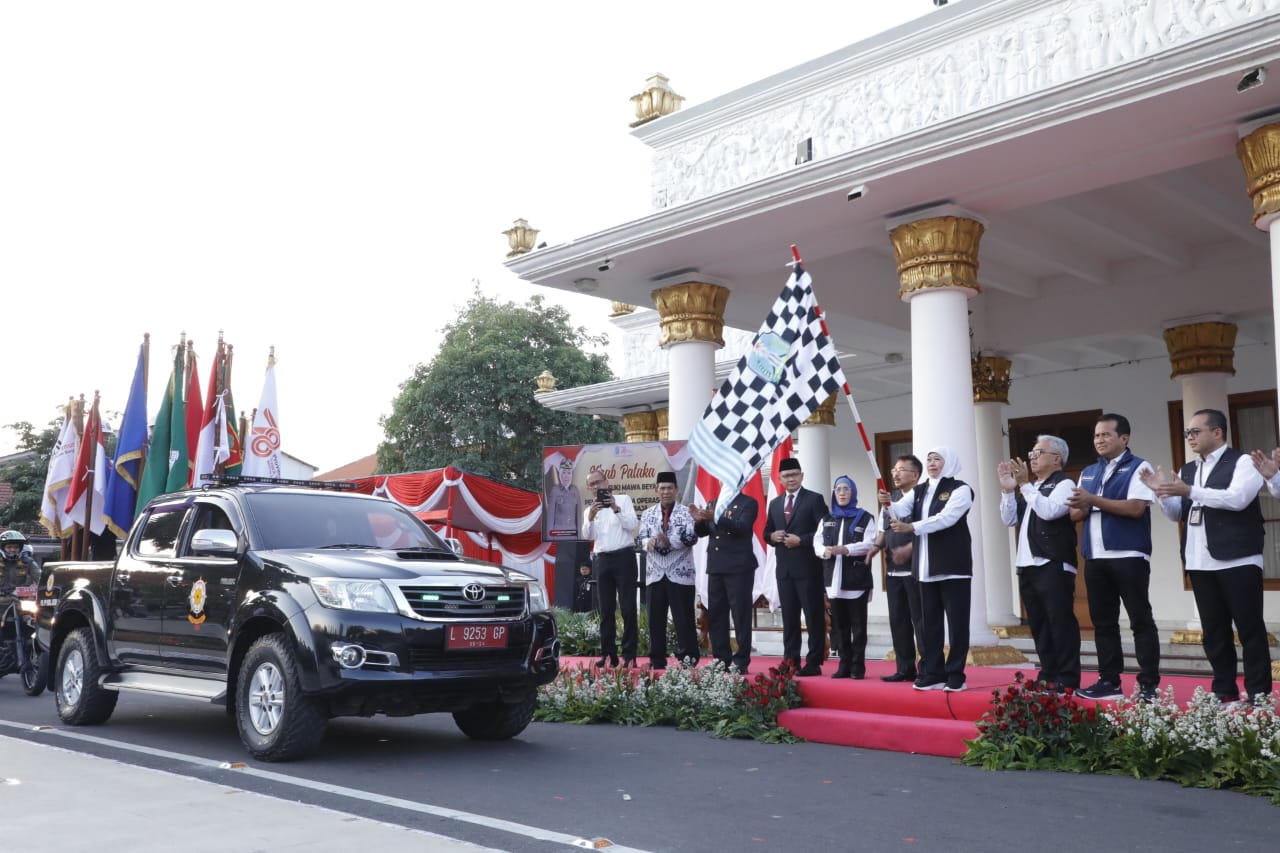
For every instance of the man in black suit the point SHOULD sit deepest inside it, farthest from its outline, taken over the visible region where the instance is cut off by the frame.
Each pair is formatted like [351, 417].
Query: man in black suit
[731, 573]
[794, 518]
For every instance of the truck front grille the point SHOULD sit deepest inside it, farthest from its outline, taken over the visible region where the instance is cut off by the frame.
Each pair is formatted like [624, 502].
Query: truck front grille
[451, 602]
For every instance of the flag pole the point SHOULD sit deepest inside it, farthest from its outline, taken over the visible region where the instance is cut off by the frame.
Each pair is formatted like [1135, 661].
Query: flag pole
[219, 369]
[146, 377]
[94, 417]
[848, 395]
[77, 529]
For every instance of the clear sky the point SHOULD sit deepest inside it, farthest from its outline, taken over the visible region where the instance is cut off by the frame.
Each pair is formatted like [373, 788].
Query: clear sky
[326, 178]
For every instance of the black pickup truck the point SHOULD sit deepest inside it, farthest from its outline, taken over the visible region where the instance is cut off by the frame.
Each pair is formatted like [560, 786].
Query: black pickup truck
[290, 606]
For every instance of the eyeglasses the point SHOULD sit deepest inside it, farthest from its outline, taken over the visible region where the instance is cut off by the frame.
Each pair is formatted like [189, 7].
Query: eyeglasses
[839, 489]
[1036, 453]
[1194, 431]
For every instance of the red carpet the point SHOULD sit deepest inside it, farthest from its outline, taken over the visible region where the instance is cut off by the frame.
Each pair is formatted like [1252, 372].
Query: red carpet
[877, 715]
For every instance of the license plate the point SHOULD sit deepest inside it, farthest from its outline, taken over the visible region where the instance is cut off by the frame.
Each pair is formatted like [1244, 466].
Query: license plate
[24, 592]
[476, 637]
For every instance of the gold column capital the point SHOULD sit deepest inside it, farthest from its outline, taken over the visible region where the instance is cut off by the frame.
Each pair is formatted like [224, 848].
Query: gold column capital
[663, 414]
[1259, 154]
[621, 309]
[937, 252]
[640, 426]
[1207, 347]
[991, 379]
[824, 415]
[692, 311]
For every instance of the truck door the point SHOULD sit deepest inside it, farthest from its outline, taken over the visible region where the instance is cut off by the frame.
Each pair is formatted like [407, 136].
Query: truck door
[202, 596]
[139, 586]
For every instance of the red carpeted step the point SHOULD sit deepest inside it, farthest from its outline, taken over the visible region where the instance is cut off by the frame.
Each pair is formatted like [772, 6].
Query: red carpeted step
[923, 735]
[876, 696]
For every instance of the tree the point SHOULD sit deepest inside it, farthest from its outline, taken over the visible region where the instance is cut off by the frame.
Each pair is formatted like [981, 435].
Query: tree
[473, 407]
[26, 476]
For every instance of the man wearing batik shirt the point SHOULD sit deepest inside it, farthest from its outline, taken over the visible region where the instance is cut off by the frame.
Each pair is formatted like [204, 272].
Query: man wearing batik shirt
[666, 533]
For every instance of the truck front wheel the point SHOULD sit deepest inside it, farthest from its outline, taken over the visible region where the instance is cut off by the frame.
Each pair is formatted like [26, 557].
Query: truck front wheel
[277, 722]
[80, 700]
[497, 720]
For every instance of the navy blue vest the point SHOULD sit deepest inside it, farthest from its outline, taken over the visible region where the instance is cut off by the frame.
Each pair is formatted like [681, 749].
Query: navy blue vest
[1119, 532]
[855, 573]
[1230, 535]
[950, 549]
[1049, 540]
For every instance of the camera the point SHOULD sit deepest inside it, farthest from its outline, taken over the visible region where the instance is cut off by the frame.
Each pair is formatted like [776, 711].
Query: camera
[605, 265]
[603, 496]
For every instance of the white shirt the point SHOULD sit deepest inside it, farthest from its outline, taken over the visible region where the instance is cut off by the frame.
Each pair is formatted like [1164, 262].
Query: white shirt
[1047, 507]
[1139, 491]
[952, 511]
[612, 531]
[1246, 482]
[858, 549]
[1273, 485]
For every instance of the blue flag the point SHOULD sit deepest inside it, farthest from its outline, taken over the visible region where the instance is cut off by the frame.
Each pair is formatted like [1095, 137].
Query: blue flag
[131, 442]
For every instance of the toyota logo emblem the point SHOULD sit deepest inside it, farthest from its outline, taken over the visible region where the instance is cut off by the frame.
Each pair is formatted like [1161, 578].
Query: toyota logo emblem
[473, 592]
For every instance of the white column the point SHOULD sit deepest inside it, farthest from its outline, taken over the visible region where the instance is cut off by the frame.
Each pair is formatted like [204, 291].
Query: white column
[942, 413]
[814, 453]
[997, 539]
[690, 385]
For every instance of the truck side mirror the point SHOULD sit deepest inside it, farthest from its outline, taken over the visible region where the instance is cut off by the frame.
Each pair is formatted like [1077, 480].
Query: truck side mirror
[455, 544]
[214, 543]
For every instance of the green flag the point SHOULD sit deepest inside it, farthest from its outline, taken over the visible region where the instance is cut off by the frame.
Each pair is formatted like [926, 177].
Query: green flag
[155, 476]
[179, 455]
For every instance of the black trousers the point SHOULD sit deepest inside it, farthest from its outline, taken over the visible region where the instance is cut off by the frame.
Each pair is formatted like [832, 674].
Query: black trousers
[616, 582]
[849, 624]
[665, 593]
[1049, 595]
[802, 594]
[1108, 583]
[1233, 595]
[730, 594]
[944, 605]
[903, 592]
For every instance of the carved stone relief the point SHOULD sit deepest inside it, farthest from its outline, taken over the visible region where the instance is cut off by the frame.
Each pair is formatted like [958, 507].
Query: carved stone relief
[1047, 47]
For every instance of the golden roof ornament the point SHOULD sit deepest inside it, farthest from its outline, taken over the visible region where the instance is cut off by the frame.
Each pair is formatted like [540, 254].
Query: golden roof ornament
[521, 238]
[656, 101]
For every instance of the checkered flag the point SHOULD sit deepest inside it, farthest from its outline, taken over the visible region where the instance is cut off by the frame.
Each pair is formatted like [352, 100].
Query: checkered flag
[790, 369]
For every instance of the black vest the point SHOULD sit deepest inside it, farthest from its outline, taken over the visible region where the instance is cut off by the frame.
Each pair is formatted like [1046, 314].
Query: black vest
[1049, 540]
[855, 572]
[950, 549]
[1230, 535]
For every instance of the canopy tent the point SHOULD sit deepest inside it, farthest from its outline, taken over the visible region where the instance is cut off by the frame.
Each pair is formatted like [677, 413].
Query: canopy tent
[494, 521]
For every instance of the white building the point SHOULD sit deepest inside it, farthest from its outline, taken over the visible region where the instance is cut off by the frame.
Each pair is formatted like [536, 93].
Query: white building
[1085, 189]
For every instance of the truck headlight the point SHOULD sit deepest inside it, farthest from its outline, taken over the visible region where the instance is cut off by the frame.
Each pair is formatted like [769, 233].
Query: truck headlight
[340, 594]
[537, 597]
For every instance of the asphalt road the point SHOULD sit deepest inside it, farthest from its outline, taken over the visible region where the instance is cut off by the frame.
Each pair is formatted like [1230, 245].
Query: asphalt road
[659, 789]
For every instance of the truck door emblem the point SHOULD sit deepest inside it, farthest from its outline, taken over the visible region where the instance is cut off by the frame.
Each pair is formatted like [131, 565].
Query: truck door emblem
[197, 600]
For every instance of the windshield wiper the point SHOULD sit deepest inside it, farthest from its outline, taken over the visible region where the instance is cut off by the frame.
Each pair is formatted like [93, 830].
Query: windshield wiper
[348, 545]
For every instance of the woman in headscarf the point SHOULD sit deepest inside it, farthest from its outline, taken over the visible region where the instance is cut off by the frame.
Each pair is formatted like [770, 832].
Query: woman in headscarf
[936, 512]
[843, 542]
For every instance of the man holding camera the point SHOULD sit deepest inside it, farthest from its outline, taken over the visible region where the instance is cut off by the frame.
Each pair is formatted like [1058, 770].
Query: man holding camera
[611, 524]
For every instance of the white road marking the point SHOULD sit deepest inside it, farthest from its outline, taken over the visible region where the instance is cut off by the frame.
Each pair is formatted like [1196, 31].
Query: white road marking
[339, 790]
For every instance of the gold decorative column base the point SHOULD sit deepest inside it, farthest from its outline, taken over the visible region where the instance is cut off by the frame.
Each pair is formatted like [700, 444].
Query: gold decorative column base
[1194, 637]
[640, 426]
[994, 656]
[1012, 632]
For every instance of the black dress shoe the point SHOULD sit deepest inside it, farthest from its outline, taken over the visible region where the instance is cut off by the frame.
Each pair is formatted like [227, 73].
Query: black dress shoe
[842, 671]
[898, 676]
[629, 663]
[810, 669]
[611, 660]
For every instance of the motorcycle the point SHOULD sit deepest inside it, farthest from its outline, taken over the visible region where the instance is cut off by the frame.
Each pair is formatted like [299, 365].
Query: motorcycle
[19, 651]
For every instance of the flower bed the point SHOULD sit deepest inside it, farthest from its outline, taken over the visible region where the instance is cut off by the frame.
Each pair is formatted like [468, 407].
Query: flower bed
[1203, 745]
[692, 698]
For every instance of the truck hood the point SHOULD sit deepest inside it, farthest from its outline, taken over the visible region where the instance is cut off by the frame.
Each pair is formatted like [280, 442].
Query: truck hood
[368, 564]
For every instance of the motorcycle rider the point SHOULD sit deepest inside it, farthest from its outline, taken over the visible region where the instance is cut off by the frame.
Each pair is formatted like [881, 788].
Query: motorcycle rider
[18, 568]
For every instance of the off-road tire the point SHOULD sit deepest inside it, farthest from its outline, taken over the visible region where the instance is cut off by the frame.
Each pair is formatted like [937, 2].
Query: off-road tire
[497, 720]
[76, 692]
[277, 721]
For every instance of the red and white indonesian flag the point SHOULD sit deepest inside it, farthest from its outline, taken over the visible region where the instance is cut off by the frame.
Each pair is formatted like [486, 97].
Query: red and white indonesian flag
[62, 466]
[215, 439]
[88, 489]
[790, 370]
[262, 457]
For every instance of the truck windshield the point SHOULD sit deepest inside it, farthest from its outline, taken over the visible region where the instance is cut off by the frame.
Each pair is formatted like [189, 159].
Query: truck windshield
[329, 519]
